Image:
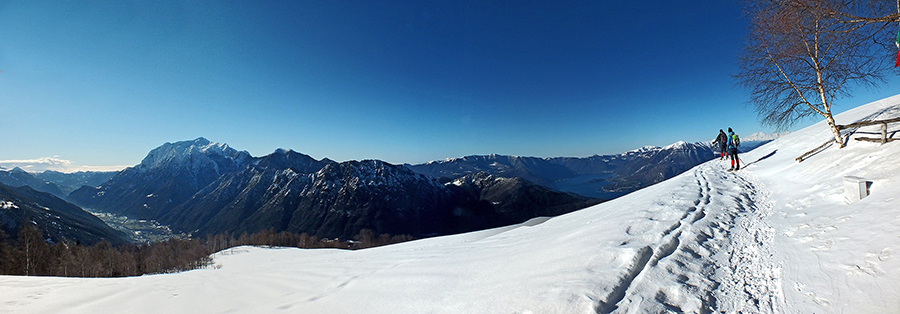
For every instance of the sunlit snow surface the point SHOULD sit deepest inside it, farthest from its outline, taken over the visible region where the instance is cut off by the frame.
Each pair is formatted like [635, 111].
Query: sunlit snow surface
[775, 237]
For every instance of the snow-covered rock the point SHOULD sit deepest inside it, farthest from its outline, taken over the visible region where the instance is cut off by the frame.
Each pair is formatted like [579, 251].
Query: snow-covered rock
[7, 205]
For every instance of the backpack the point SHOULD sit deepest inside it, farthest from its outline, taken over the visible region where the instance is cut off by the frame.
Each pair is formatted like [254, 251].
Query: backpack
[737, 141]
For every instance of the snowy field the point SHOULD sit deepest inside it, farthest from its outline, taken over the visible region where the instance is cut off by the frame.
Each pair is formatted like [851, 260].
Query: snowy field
[775, 237]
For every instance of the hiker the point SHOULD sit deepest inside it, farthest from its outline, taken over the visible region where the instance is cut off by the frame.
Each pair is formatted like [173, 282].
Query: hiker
[722, 140]
[733, 142]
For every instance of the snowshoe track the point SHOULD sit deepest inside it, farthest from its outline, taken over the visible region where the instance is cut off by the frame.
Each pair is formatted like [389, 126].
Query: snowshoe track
[714, 259]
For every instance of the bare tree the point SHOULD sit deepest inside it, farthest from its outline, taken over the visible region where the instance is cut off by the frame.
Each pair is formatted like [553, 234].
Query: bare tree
[800, 56]
[860, 11]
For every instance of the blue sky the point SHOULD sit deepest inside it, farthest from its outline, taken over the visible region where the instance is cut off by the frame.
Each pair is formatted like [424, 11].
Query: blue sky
[100, 83]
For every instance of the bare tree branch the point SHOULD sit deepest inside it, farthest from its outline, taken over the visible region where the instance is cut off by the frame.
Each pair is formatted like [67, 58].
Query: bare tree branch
[802, 54]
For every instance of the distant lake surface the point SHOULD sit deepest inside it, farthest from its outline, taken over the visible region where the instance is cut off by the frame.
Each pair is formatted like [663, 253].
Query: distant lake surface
[588, 185]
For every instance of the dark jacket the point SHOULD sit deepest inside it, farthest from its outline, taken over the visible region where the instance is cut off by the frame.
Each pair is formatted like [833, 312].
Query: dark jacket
[722, 139]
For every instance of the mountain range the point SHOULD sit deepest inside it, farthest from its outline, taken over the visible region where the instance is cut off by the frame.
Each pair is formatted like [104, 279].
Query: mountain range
[17, 177]
[605, 177]
[204, 187]
[57, 183]
[57, 219]
[68, 182]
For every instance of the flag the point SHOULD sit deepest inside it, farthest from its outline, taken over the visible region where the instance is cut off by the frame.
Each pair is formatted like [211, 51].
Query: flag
[898, 40]
[897, 64]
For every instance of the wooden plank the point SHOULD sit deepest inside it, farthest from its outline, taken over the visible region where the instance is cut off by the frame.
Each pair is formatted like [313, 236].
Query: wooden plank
[867, 123]
[881, 140]
[800, 159]
[874, 140]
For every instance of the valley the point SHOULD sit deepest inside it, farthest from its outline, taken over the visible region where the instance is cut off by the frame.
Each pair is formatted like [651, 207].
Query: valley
[138, 230]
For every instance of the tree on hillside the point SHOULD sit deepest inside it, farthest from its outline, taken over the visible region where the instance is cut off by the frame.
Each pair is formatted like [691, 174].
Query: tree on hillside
[800, 56]
[35, 249]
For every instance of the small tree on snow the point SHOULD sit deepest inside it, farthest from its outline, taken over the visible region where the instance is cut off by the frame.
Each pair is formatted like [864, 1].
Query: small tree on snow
[800, 56]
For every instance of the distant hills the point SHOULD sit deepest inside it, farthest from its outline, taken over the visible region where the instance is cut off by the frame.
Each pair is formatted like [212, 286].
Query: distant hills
[204, 187]
[57, 183]
[57, 219]
[18, 178]
[38, 199]
[68, 182]
[605, 177]
[598, 176]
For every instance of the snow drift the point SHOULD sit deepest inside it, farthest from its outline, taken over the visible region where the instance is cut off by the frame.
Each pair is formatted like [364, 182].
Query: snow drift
[777, 236]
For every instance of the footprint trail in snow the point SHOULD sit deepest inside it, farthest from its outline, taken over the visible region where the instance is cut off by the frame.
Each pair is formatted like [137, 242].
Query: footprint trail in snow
[715, 258]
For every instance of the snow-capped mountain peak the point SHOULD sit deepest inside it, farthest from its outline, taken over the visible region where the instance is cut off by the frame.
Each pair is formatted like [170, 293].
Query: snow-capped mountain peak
[760, 137]
[189, 152]
[282, 151]
[676, 145]
[680, 145]
[645, 149]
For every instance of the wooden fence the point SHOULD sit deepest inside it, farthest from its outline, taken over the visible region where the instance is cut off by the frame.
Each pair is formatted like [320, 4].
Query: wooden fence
[883, 123]
[882, 140]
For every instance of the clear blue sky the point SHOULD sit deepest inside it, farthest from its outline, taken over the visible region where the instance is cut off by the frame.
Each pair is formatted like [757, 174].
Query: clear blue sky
[101, 83]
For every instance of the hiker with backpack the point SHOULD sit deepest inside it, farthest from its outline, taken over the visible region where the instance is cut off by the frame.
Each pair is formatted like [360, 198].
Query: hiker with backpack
[733, 142]
[722, 140]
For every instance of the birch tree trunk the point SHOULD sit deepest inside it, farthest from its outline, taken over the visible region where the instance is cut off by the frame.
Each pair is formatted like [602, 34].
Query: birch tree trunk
[835, 131]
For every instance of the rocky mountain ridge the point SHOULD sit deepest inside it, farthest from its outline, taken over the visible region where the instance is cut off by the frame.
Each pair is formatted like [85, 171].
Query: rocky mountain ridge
[56, 219]
[600, 176]
[203, 187]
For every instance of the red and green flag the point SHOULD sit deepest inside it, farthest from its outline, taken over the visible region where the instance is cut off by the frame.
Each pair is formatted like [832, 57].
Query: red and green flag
[898, 40]
[897, 64]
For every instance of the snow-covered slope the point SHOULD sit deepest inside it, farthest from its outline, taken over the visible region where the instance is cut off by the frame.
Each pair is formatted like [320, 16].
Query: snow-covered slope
[775, 237]
[836, 257]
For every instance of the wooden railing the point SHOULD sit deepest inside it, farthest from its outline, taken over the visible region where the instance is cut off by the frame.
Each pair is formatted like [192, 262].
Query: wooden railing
[882, 140]
[883, 123]
[814, 151]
